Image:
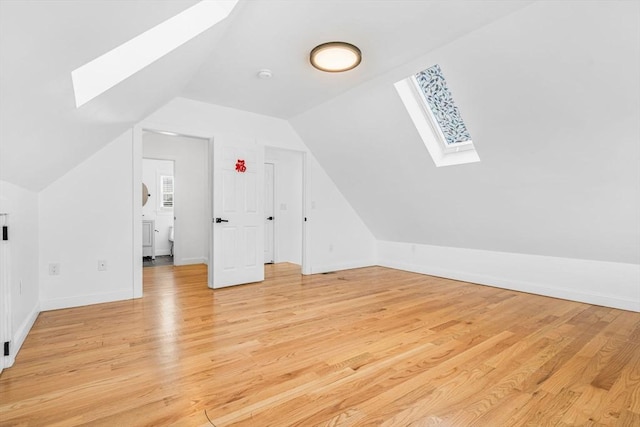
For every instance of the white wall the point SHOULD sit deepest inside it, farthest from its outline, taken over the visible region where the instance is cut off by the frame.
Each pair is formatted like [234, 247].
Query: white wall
[338, 238]
[191, 117]
[152, 170]
[86, 216]
[595, 282]
[92, 212]
[190, 157]
[37, 88]
[337, 241]
[550, 95]
[22, 207]
[288, 210]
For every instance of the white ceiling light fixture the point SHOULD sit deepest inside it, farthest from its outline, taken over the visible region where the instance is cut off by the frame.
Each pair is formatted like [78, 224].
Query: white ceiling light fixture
[106, 71]
[335, 57]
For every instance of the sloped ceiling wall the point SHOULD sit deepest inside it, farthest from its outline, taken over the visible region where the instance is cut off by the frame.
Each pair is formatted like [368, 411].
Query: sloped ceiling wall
[42, 134]
[551, 96]
[279, 34]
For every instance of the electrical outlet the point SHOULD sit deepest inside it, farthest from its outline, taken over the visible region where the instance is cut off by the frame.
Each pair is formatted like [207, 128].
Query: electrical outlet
[54, 269]
[102, 264]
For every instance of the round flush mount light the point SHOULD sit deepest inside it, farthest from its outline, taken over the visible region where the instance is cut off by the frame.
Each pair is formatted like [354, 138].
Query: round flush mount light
[335, 57]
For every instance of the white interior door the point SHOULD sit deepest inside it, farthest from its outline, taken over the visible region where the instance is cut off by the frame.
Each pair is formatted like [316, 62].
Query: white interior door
[238, 212]
[269, 212]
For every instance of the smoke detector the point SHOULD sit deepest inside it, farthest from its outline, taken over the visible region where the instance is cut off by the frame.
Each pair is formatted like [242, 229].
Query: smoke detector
[265, 74]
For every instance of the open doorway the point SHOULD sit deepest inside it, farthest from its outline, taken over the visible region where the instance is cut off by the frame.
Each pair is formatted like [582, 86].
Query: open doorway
[145, 133]
[158, 187]
[284, 211]
[175, 170]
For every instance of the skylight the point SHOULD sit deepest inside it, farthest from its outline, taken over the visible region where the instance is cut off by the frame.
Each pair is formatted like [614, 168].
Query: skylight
[106, 71]
[435, 115]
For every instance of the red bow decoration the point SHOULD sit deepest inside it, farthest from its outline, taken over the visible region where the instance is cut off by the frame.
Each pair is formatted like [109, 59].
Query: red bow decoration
[240, 166]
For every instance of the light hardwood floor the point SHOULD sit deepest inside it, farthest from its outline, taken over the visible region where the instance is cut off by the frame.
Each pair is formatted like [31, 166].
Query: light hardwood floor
[370, 346]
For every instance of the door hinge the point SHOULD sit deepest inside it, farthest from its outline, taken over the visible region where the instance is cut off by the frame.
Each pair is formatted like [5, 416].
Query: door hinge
[6, 348]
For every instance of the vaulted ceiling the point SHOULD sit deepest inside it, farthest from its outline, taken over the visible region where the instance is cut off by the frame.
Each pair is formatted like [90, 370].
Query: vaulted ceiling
[42, 134]
[549, 91]
[551, 97]
[279, 34]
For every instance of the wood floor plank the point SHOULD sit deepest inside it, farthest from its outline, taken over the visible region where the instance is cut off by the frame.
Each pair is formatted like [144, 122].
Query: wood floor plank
[363, 347]
[582, 409]
[611, 372]
[622, 396]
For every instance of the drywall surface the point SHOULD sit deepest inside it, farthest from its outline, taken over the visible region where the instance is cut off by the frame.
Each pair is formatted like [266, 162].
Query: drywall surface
[551, 97]
[42, 134]
[337, 237]
[189, 117]
[84, 217]
[339, 240]
[595, 282]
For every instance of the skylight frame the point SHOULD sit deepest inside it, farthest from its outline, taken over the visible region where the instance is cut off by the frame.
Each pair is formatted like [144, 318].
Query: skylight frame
[428, 127]
[104, 72]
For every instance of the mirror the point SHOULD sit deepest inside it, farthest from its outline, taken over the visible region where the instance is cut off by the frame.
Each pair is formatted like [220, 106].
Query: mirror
[145, 194]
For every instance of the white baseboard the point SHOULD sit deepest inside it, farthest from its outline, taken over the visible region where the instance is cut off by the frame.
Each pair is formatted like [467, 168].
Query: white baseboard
[603, 283]
[318, 269]
[81, 300]
[190, 261]
[21, 334]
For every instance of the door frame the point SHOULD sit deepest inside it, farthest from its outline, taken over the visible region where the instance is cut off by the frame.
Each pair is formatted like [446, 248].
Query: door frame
[157, 177]
[138, 130]
[305, 188]
[6, 330]
[275, 197]
[177, 130]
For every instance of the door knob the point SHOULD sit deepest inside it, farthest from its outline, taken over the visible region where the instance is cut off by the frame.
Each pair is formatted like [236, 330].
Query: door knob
[270, 218]
[219, 220]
